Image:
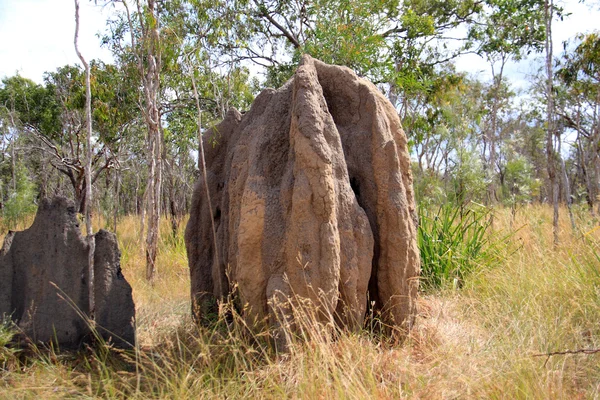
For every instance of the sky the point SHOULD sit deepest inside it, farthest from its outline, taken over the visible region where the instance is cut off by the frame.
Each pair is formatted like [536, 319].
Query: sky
[37, 36]
[584, 18]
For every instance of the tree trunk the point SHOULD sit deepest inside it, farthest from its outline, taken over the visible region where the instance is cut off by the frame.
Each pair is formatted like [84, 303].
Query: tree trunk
[568, 195]
[88, 170]
[148, 57]
[153, 202]
[492, 132]
[585, 177]
[12, 150]
[550, 156]
[116, 201]
[151, 82]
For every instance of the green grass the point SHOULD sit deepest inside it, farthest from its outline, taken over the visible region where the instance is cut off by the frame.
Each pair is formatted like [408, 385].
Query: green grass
[477, 341]
[454, 241]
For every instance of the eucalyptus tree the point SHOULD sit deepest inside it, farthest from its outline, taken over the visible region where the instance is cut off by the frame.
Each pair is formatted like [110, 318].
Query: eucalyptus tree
[9, 124]
[17, 189]
[578, 106]
[161, 44]
[550, 136]
[509, 30]
[404, 47]
[517, 160]
[51, 117]
[87, 167]
[118, 125]
[395, 44]
[202, 81]
[135, 40]
[450, 152]
[382, 40]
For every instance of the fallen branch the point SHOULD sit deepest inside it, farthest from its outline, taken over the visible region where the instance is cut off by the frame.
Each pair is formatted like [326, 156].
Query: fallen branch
[562, 353]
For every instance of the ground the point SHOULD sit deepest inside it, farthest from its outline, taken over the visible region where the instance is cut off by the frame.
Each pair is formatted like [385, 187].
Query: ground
[487, 338]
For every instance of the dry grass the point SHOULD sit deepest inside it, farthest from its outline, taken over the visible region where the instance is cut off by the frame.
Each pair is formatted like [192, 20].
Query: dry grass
[160, 306]
[477, 342]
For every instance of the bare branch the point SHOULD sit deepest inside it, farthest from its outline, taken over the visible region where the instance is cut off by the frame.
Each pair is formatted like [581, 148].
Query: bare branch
[264, 13]
[565, 352]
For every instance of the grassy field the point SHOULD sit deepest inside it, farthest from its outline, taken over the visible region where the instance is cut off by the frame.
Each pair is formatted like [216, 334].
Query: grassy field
[486, 339]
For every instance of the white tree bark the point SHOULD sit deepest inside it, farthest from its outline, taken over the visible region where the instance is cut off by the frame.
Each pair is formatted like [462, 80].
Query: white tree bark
[550, 153]
[88, 169]
[149, 65]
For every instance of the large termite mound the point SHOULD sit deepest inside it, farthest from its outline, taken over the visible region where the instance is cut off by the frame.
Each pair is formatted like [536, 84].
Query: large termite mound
[44, 275]
[311, 198]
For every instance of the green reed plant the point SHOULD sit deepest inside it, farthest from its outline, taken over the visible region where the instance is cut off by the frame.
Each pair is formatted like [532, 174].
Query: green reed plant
[453, 241]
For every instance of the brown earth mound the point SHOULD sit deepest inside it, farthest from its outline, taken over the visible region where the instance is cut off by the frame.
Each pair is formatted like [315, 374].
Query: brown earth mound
[312, 197]
[43, 281]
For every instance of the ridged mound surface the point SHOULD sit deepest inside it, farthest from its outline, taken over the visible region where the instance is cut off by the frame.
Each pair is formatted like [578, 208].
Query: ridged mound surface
[312, 197]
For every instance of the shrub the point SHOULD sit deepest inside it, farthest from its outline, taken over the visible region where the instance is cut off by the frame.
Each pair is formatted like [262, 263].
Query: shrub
[453, 241]
[21, 202]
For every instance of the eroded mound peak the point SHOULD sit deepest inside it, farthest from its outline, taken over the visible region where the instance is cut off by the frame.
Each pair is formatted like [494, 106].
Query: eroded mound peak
[312, 198]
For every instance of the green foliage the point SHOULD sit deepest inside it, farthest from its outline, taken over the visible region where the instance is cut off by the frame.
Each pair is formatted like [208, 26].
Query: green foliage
[519, 182]
[463, 182]
[583, 63]
[34, 105]
[511, 29]
[278, 74]
[441, 105]
[404, 47]
[468, 179]
[114, 103]
[346, 33]
[7, 332]
[20, 203]
[428, 186]
[453, 242]
[578, 100]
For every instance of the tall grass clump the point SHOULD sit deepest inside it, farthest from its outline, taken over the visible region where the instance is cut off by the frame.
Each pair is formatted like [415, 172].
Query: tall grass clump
[7, 353]
[453, 241]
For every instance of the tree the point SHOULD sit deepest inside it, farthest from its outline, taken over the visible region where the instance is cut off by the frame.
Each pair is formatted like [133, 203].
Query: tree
[88, 168]
[144, 54]
[579, 109]
[510, 29]
[52, 117]
[550, 152]
[118, 125]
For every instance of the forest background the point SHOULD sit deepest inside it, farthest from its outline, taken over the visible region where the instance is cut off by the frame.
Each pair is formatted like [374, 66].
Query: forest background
[510, 298]
[474, 137]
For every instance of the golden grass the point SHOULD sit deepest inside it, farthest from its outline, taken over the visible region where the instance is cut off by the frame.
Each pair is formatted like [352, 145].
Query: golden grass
[160, 306]
[477, 342]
